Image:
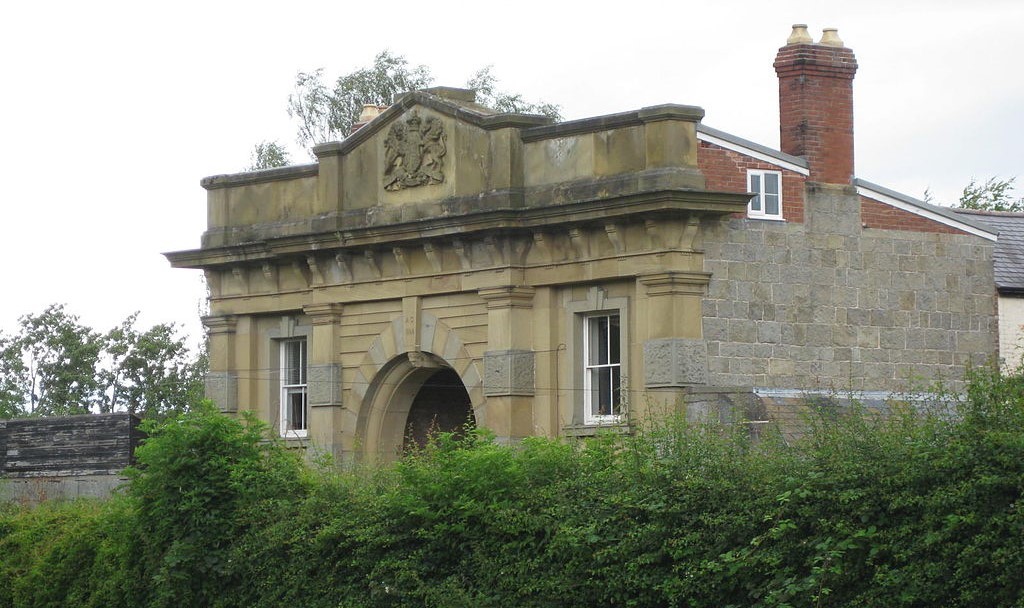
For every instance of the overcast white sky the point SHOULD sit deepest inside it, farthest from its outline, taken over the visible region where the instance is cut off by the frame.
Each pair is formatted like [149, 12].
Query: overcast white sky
[111, 112]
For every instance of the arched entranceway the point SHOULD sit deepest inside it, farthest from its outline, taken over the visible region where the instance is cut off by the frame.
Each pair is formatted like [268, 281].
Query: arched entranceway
[441, 405]
[411, 395]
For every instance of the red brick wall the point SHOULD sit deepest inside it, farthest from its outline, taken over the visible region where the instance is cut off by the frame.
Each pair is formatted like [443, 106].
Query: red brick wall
[816, 108]
[874, 214]
[725, 170]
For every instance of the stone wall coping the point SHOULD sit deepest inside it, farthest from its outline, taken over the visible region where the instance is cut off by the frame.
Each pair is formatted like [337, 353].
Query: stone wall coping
[591, 430]
[277, 174]
[607, 122]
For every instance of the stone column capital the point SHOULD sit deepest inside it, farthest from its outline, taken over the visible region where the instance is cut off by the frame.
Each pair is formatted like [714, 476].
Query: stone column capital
[323, 314]
[508, 297]
[220, 324]
[676, 283]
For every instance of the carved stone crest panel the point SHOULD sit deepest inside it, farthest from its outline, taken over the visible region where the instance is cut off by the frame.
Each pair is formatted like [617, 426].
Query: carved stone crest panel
[414, 153]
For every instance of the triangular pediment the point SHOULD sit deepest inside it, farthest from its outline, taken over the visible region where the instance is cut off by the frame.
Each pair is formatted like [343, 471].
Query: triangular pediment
[457, 104]
[429, 146]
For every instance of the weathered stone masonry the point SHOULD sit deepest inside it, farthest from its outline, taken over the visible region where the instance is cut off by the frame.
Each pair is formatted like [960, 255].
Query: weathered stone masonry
[830, 305]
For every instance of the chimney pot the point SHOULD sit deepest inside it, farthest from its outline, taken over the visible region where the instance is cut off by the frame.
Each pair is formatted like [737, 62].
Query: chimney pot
[830, 37]
[799, 35]
[370, 111]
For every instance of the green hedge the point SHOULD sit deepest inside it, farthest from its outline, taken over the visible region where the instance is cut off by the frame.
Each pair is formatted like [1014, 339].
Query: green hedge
[908, 509]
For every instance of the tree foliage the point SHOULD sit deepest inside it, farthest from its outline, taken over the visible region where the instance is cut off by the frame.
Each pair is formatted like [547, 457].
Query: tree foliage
[993, 195]
[487, 94]
[150, 373]
[54, 365]
[267, 155]
[327, 113]
[51, 366]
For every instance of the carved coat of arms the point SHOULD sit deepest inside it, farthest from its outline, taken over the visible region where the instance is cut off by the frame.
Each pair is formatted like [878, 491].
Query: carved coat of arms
[414, 153]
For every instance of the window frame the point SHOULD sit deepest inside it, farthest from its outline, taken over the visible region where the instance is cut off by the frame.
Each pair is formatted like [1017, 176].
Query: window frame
[578, 304]
[593, 370]
[760, 194]
[288, 390]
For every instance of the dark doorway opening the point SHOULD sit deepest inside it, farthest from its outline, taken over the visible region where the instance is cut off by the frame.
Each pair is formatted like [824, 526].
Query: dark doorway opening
[442, 405]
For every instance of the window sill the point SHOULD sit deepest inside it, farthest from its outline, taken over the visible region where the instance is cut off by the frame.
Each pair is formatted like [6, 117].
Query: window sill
[592, 430]
[766, 218]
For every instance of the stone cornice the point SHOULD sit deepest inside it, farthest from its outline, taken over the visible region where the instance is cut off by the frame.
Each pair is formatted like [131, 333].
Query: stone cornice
[634, 207]
[536, 275]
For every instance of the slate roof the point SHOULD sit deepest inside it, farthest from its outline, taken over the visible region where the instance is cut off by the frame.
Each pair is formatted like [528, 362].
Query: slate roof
[1008, 257]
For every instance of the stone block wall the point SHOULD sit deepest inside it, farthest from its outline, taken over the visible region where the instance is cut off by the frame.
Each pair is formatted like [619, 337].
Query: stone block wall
[65, 457]
[832, 305]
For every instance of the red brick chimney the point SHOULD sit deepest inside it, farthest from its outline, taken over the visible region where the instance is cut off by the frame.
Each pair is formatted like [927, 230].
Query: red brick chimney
[816, 103]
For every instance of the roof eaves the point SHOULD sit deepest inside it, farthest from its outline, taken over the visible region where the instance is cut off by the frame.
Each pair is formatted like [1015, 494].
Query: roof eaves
[744, 146]
[942, 215]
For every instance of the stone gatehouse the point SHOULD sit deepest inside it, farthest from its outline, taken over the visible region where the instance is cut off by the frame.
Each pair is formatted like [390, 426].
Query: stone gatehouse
[448, 262]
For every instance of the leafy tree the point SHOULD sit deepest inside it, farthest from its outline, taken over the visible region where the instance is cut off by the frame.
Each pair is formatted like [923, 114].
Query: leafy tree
[13, 377]
[485, 84]
[150, 373]
[55, 366]
[51, 366]
[327, 114]
[993, 195]
[267, 155]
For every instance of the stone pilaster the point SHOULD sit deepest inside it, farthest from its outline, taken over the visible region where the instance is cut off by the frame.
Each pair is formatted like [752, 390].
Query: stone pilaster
[221, 381]
[674, 303]
[509, 361]
[323, 375]
[674, 351]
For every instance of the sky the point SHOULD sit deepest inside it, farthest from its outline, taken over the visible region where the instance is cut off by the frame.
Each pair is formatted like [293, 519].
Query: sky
[111, 112]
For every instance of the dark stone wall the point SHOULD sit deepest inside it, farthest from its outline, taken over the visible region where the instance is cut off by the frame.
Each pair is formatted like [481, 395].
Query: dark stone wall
[70, 446]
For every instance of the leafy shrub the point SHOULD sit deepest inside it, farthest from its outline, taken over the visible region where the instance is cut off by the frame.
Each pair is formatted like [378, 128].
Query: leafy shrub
[907, 509]
[198, 479]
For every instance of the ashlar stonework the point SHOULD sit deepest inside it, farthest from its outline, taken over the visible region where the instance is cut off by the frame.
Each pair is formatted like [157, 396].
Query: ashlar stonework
[557, 279]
